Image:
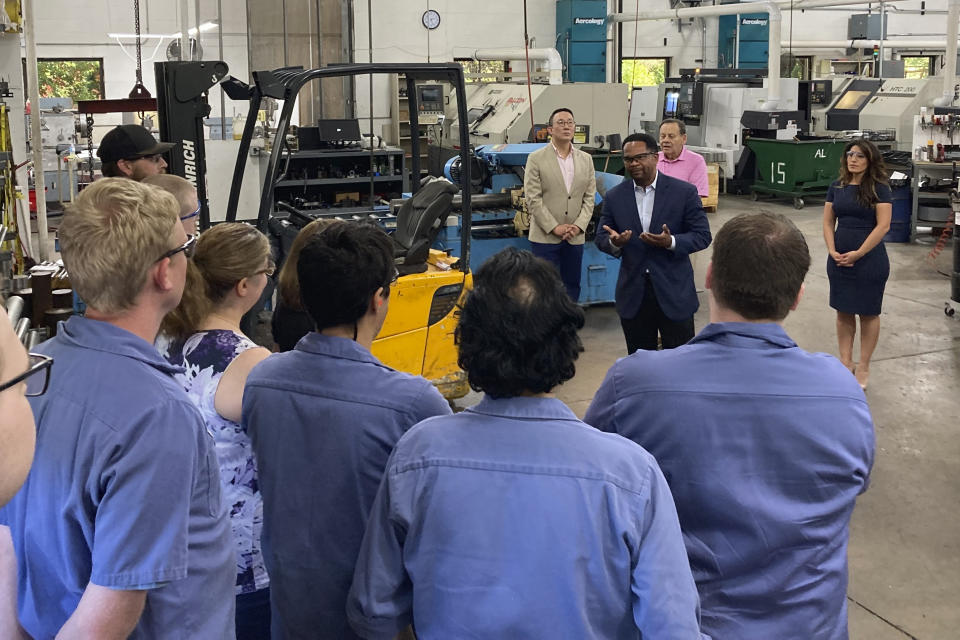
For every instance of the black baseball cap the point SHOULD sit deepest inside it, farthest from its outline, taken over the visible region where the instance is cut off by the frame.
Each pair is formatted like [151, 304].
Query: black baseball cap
[130, 141]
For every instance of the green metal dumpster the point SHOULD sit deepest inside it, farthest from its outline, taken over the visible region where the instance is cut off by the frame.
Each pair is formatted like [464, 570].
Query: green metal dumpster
[795, 168]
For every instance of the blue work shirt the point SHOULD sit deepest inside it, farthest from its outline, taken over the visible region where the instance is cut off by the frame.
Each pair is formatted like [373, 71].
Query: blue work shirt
[765, 448]
[124, 492]
[323, 419]
[514, 519]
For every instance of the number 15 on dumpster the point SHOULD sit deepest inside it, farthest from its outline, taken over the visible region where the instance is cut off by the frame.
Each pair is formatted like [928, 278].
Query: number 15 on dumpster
[779, 176]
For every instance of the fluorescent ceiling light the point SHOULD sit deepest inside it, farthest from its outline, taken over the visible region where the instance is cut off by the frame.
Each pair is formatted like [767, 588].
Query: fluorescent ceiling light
[142, 35]
[204, 27]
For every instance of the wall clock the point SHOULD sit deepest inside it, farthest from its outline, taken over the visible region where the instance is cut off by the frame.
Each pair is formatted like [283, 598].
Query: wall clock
[431, 19]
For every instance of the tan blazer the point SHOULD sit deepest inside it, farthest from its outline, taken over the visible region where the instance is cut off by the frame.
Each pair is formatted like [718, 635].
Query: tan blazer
[546, 194]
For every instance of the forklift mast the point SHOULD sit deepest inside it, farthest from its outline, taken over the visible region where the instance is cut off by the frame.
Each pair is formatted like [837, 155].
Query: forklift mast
[181, 107]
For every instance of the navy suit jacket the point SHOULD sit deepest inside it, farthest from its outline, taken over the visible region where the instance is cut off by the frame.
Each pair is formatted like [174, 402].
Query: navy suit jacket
[676, 204]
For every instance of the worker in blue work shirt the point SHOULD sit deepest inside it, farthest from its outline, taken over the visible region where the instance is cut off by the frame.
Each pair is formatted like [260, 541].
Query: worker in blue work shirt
[120, 530]
[514, 519]
[323, 419]
[765, 446]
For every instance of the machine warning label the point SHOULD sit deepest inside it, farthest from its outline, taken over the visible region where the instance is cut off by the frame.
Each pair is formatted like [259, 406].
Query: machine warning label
[596, 21]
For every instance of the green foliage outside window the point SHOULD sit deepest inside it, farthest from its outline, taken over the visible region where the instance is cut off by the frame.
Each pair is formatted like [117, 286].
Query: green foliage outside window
[916, 67]
[77, 79]
[643, 72]
[489, 70]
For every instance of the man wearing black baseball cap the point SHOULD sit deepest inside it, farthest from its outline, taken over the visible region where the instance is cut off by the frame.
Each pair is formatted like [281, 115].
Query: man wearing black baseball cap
[130, 151]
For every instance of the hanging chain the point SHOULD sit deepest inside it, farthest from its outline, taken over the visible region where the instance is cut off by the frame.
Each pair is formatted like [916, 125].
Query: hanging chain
[136, 30]
[139, 91]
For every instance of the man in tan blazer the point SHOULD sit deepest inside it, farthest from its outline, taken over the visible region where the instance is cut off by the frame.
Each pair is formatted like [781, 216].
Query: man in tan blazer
[559, 186]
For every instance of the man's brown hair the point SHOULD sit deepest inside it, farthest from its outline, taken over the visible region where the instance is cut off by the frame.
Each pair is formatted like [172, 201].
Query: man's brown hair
[759, 263]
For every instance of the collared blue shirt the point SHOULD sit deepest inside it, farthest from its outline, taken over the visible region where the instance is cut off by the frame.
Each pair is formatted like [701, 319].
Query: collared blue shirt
[124, 492]
[323, 419]
[514, 519]
[765, 447]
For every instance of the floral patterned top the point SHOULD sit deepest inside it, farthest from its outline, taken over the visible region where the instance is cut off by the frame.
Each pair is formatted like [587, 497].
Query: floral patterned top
[206, 355]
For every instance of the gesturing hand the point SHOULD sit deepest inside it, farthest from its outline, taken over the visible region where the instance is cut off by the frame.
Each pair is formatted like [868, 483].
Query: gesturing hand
[618, 239]
[662, 240]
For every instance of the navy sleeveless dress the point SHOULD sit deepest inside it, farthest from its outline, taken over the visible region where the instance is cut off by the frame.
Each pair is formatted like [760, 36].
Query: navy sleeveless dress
[857, 289]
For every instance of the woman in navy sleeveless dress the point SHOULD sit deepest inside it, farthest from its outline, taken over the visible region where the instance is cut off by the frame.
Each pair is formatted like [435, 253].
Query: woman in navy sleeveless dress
[856, 217]
[226, 276]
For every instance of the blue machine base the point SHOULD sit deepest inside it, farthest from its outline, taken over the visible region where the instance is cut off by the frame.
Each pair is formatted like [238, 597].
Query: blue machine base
[598, 275]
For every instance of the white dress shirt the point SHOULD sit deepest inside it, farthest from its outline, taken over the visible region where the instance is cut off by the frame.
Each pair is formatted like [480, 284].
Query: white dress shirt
[645, 197]
[566, 166]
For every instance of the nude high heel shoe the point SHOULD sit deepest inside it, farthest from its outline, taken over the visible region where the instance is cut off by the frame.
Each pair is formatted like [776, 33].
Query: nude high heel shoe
[863, 376]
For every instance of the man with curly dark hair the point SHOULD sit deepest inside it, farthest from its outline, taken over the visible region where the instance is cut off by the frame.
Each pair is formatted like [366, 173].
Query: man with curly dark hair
[514, 518]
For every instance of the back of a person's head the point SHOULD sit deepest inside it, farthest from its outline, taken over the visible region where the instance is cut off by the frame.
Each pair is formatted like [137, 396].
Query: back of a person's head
[111, 237]
[517, 330]
[340, 268]
[225, 254]
[288, 285]
[181, 188]
[759, 263]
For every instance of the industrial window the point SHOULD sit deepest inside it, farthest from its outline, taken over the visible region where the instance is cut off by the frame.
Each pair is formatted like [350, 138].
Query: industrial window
[77, 78]
[798, 67]
[644, 72]
[482, 70]
[916, 66]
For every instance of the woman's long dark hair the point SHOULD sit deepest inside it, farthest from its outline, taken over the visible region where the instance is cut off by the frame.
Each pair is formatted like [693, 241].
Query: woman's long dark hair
[875, 174]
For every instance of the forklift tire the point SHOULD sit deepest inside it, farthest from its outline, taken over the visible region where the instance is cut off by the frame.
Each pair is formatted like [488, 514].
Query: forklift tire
[754, 196]
[798, 203]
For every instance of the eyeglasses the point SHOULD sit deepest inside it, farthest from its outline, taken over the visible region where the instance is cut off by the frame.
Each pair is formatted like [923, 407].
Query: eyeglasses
[36, 384]
[639, 157]
[856, 154]
[188, 248]
[191, 215]
[563, 123]
[396, 276]
[155, 158]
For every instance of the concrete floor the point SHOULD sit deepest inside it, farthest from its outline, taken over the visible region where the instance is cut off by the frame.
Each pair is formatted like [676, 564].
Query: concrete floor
[905, 539]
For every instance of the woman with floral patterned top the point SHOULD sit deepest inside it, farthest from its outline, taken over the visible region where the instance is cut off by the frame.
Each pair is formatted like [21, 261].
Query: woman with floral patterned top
[225, 279]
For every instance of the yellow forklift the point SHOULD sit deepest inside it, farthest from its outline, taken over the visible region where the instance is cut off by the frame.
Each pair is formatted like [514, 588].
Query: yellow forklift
[417, 336]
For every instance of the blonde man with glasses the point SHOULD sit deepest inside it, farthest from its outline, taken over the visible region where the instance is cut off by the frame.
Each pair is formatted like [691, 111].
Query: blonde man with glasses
[120, 529]
[559, 186]
[20, 376]
[185, 193]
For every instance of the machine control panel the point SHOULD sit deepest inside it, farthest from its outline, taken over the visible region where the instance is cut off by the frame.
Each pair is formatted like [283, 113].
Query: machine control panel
[431, 99]
[821, 92]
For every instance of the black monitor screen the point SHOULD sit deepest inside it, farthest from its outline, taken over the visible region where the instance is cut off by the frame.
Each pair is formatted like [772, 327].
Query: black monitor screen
[430, 93]
[339, 130]
[473, 114]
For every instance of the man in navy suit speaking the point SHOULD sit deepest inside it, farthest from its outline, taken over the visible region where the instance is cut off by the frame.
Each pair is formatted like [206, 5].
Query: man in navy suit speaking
[653, 223]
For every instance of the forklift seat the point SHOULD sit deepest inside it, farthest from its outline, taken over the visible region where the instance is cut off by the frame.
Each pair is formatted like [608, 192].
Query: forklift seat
[418, 222]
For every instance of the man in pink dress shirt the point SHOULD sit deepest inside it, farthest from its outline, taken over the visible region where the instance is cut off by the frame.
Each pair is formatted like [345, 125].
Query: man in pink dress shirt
[679, 162]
